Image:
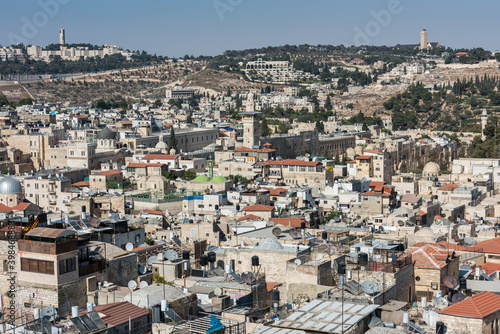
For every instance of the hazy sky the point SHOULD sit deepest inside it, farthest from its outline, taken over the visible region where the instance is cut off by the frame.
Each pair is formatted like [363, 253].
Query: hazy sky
[209, 27]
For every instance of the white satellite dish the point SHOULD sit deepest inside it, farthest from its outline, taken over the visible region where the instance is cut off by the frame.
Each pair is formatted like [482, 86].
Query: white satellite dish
[440, 303]
[297, 262]
[143, 284]
[369, 287]
[171, 255]
[49, 313]
[132, 285]
[160, 256]
[218, 291]
[129, 246]
[3, 216]
[151, 259]
[85, 190]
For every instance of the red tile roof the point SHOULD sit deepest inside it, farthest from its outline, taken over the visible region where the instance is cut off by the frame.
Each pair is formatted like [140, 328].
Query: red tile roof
[110, 172]
[254, 217]
[364, 157]
[377, 185]
[429, 257]
[289, 221]
[351, 162]
[159, 157]
[276, 191]
[119, 313]
[449, 186]
[271, 286]
[81, 184]
[4, 208]
[152, 212]
[21, 206]
[421, 213]
[490, 267]
[411, 198]
[491, 246]
[373, 151]
[258, 207]
[142, 165]
[477, 306]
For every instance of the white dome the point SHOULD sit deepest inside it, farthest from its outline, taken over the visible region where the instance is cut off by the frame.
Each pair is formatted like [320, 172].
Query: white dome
[270, 244]
[9, 185]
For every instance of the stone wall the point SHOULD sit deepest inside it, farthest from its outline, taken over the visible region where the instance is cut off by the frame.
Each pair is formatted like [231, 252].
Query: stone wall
[122, 269]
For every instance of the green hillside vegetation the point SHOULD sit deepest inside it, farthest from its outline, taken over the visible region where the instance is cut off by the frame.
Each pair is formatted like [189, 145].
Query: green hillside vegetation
[449, 108]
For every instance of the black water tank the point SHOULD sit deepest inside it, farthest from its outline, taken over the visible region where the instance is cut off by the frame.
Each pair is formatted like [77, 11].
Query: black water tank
[324, 235]
[462, 284]
[203, 260]
[211, 257]
[363, 259]
[216, 207]
[303, 225]
[255, 261]
[185, 255]
[231, 263]
[439, 327]
[275, 295]
[238, 207]
[341, 268]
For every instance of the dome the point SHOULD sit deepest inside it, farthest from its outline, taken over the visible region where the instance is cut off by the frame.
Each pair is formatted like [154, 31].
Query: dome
[201, 178]
[9, 185]
[350, 153]
[161, 145]
[271, 244]
[218, 179]
[106, 133]
[431, 169]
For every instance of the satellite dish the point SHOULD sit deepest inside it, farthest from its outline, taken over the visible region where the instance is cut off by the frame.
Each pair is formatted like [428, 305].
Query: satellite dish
[450, 281]
[143, 270]
[375, 322]
[248, 277]
[332, 250]
[129, 246]
[369, 287]
[440, 303]
[49, 313]
[297, 262]
[2, 216]
[276, 231]
[151, 259]
[458, 297]
[132, 285]
[401, 223]
[337, 219]
[218, 291]
[160, 256]
[85, 190]
[171, 255]
[143, 284]
[293, 234]
[91, 193]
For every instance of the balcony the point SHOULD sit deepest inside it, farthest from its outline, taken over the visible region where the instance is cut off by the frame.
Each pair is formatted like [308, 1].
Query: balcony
[90, 267]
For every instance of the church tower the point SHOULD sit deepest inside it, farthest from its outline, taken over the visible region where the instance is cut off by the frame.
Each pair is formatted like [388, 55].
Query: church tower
[424, 40]
[251, 124]
[484, 120]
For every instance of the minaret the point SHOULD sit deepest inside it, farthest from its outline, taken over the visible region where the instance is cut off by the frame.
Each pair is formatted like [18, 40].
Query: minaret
[484, 119]
[62, 36]
[423, 40]
[251, 124]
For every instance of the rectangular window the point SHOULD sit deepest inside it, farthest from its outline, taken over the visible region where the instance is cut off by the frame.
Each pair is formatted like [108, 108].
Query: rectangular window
[67, 265]
[37, 266]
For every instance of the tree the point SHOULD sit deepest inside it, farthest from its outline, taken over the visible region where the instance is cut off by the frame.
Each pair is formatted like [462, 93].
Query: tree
[328, 103]
[264, 128]
[365, 127]
[157, 103]
[3, 100]
[189, 175]
[172, 144]
[170, 175]
[320, 126]
[189, 119]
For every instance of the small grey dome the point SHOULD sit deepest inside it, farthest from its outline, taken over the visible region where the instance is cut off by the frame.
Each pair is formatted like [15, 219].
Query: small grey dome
[106, 133]
[9, 185]
[270, 244]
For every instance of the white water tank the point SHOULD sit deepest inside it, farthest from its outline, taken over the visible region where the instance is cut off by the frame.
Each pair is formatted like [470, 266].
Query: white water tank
[74, 312]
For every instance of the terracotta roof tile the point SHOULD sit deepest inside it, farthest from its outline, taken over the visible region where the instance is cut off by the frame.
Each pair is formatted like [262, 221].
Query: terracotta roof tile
[254, 217]
[490, 267]
[119, 313]
[291, 221]
[142, 165]
[159, 157]
[110, 172]
[478, 306]
[449, 186]
[491, 246]
[258, 207]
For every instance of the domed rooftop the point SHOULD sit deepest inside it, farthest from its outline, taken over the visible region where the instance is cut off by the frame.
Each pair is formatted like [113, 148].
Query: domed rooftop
[431, 169]
[106, 133]
[10, 185]
[201, 178]
[161, 145]
[271, 244]
[218, 179]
